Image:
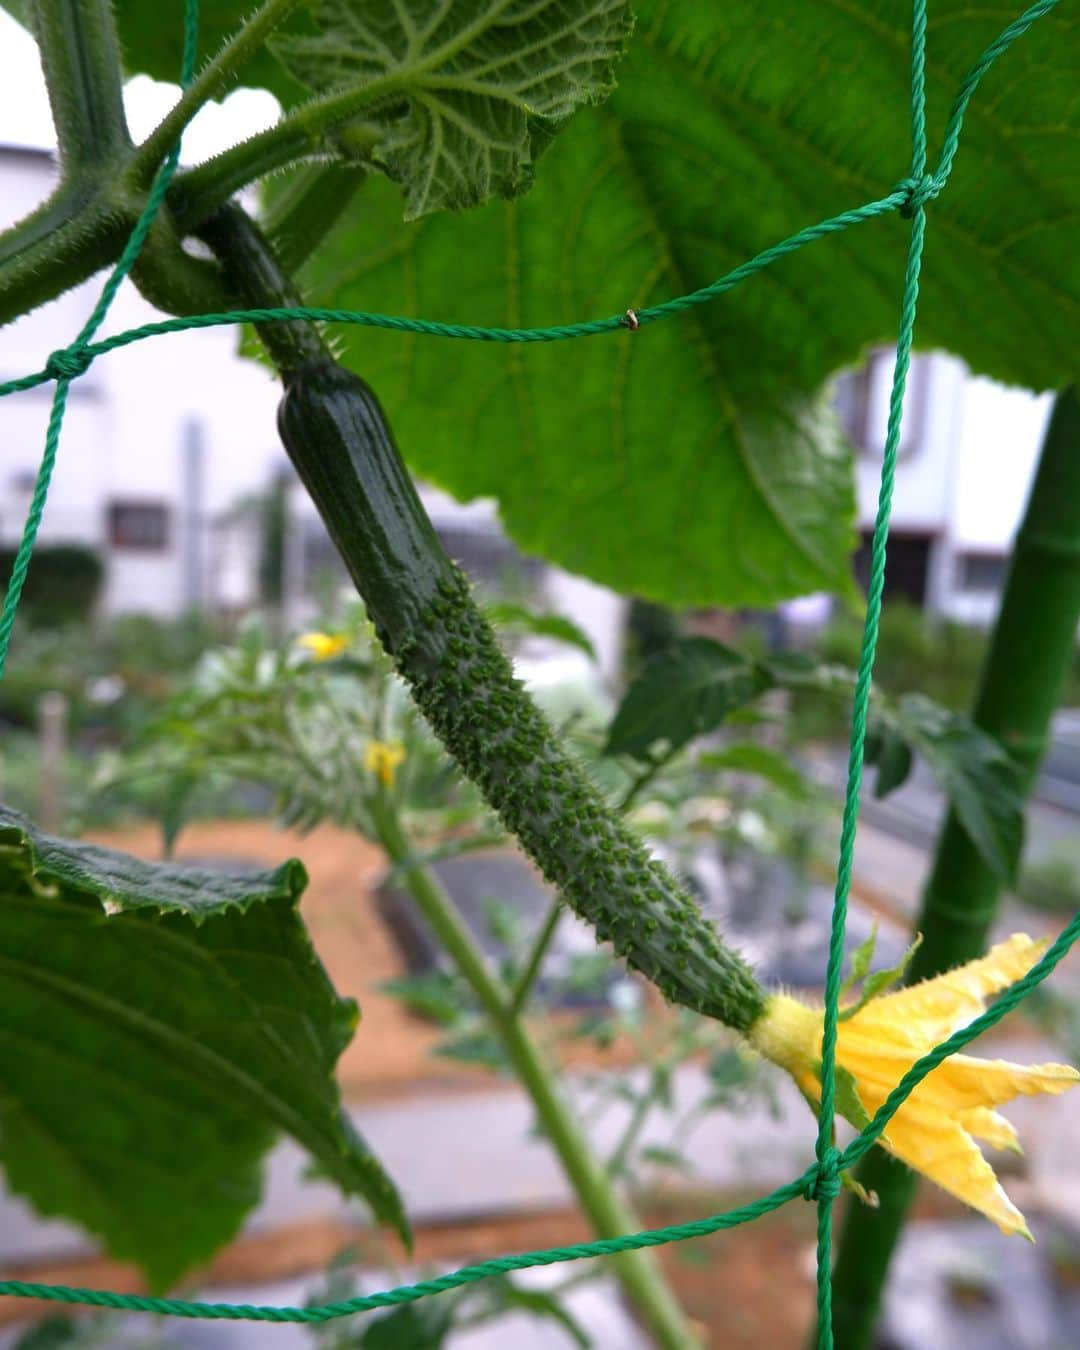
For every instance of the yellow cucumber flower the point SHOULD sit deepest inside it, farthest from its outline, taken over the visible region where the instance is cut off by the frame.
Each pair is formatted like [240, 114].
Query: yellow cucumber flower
[382, 758]
[324, 646]
[935, 1130]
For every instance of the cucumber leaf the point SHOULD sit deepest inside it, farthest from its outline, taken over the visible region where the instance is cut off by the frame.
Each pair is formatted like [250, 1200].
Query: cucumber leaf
[160, 1026]
[474, 91]
[693, 449]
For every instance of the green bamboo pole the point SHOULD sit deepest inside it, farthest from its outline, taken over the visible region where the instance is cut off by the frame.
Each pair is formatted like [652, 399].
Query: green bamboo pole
[1023, 677]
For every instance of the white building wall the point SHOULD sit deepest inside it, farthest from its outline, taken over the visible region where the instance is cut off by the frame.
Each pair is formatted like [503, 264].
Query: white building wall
[921, 497]
[996, 454]
[125, 426]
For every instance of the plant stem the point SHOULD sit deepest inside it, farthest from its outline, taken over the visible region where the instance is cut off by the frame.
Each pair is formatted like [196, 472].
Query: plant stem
[630, 1135]
[307, 208]
[1022, 681]
[211, 82]
[84, 223]
[541, 944]
[80, 56]
[608, 1215]
[644, 778]
[201, 190]
[67, 239]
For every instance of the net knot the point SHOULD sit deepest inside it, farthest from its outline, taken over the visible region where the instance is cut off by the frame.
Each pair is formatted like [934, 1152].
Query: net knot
[918, 191]
[68, 363]
[823, 1182]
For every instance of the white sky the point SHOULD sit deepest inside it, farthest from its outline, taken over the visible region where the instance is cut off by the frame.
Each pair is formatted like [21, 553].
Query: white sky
[24, 106]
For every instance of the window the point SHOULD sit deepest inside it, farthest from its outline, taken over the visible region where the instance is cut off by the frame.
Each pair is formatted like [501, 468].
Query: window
[907, 565]
[981, 573]
[139, 525]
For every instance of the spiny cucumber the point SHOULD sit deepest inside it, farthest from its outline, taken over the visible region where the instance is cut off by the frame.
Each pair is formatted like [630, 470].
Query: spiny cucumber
[337, 437]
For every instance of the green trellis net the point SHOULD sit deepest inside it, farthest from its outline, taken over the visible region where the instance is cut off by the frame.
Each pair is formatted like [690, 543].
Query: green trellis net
[820, 1182]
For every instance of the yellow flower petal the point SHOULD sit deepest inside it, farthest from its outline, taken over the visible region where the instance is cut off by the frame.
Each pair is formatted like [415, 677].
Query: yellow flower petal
[992, 1128]
[324, 646]
[382, 759]
[950, 1001]
[943, 1151]
[934, 1131]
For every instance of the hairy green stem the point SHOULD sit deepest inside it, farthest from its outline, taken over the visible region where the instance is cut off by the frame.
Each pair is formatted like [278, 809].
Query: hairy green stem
[197, 193]
[84, 223]
[1021, 684]
[211, 82]
[68, 238]
[299, 217]
[608, 1215]
[644, 778]
[80, 57]
[630, 1135]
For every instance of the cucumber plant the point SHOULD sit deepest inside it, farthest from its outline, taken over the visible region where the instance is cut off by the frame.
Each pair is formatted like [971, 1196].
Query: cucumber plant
[701, 453]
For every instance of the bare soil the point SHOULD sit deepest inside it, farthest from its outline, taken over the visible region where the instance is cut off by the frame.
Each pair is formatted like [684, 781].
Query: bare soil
[391, 1052]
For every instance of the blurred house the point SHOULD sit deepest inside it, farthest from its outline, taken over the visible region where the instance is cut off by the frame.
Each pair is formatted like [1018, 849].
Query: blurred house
[169, 444]
[160, 439]
[968, 453]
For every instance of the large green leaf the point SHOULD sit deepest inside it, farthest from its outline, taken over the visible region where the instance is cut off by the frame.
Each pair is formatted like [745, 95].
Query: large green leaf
[159, 1025]
[683, 488]
[733, 125]
[151, 36]
[475, 90]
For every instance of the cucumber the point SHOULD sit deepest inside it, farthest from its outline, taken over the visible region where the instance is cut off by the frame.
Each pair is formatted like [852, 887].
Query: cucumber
[421, 604]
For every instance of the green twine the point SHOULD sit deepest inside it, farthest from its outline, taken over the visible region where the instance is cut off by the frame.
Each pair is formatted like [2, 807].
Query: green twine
[400, 323]
[821, 1180]
[827, 1156]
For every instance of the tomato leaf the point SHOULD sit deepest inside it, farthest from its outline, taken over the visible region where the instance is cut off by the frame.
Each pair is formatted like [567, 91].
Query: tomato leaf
[975, 773]
[684, 692]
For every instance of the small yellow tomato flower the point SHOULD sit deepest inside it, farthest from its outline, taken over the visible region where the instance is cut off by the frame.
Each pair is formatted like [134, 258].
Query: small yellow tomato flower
[382, 759]
[934, 1132]
[324, 646]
